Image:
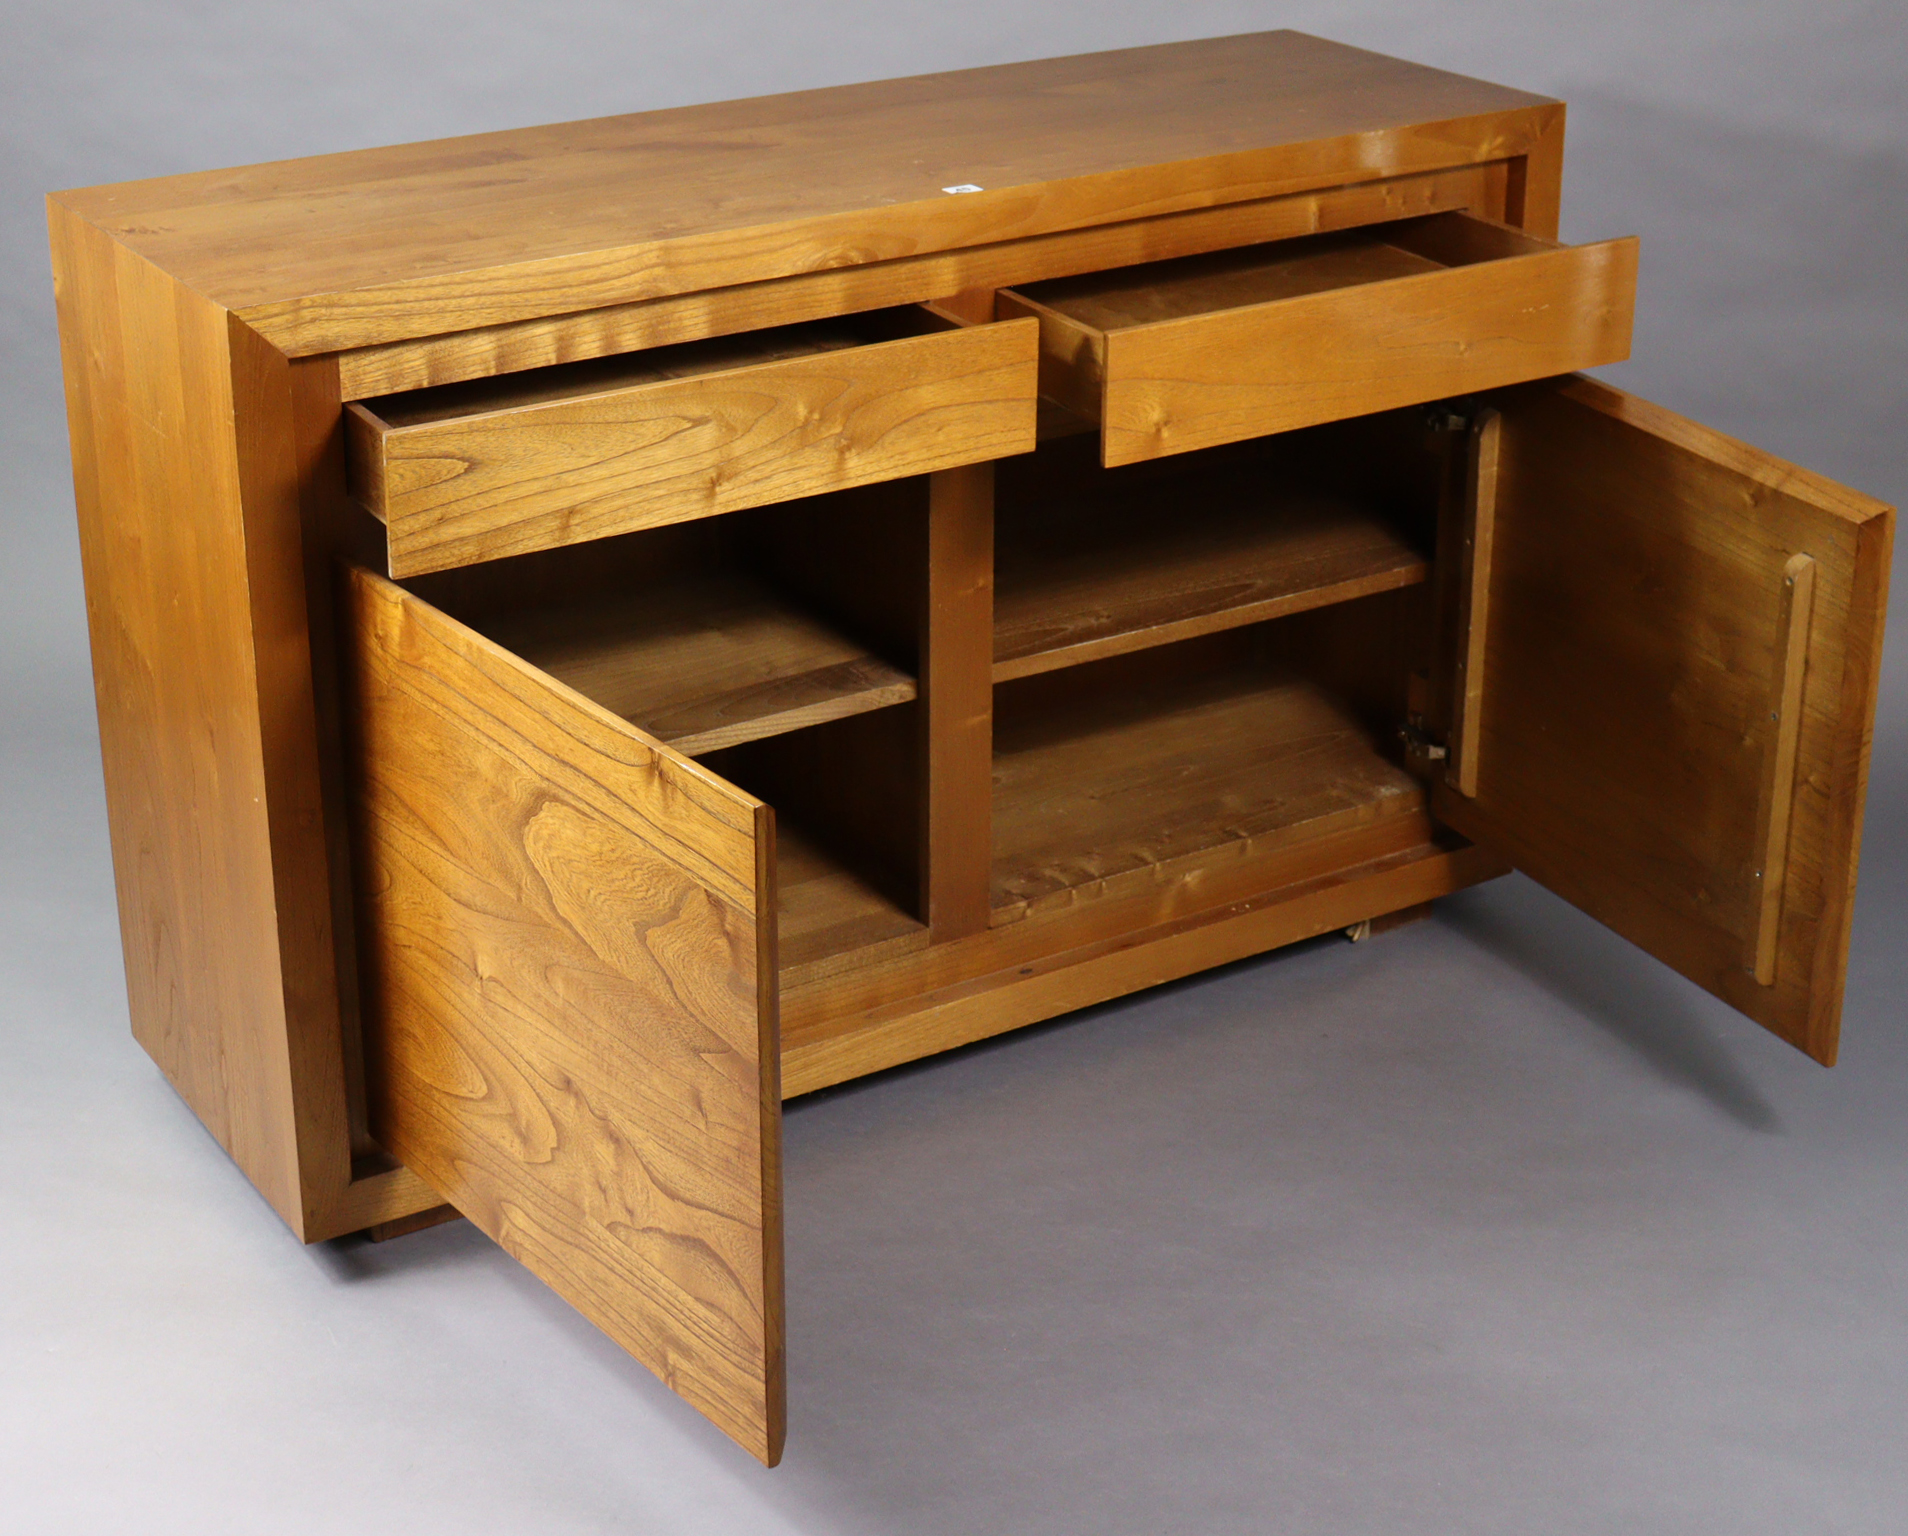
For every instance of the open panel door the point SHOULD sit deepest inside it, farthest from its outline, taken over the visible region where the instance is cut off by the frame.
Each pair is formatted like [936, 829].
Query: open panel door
[1673, 644]
[571, 1006]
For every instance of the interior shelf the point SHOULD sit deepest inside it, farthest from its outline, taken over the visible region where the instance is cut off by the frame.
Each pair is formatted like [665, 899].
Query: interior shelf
[1129, 779]
[1098, 565]
[708, 661]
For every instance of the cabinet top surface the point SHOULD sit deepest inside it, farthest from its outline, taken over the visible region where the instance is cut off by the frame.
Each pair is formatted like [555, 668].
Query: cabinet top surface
[350, 249]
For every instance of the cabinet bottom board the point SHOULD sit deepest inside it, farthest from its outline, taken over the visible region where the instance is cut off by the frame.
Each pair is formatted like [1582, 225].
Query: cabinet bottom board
[823, 1051]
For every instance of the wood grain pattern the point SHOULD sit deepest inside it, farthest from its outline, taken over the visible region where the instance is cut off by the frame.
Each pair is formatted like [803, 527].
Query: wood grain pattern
[704, 662]
[370, 1189]
[1230, 280]
[1209, 350]
[369, 247]
[1103, 783]
[579, 942]
[1634, 648]
[570, 1026]
[533, 462]
[1475, 553]
[1778, 800]
[1139, 901]
[482, 351]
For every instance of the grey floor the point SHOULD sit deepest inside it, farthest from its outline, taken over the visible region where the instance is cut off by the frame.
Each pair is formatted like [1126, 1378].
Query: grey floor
[1489, 1226]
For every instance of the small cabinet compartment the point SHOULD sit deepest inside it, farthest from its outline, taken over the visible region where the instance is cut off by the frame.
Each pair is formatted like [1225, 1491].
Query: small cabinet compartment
[779, 648]
[1093, 562]
[463, 473]
[1190, 353]
[1226, 753]
[1202, 663]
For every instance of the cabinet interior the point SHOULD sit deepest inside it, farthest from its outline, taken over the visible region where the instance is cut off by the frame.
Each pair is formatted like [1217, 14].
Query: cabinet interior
[1196, 660]
[1203, 658]
[779, 646]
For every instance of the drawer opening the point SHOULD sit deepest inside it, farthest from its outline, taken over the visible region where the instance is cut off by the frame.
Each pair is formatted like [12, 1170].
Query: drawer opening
[1167, 767]
[1093, 562]
[1172, 356]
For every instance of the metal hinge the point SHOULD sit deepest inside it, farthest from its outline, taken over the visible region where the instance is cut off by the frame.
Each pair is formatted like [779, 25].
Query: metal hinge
[1419, 743]
[1455, 415]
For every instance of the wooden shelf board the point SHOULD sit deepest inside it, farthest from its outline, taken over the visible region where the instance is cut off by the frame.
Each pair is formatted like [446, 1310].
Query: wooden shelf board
[707, 662]
[1127, 787]
[1174, 568]
[830, 918]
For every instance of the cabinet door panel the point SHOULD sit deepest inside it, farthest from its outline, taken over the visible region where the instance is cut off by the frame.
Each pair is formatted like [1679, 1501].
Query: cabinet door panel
[1679, 692]
[571, 1036]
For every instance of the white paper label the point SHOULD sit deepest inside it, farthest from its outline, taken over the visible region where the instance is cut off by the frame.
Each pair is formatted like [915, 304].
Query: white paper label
[966, 186]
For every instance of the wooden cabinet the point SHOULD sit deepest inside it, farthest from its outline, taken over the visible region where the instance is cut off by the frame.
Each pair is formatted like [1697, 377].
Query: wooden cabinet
[599, 629]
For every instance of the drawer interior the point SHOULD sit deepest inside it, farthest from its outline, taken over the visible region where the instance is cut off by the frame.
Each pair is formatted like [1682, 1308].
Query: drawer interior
[683, 360]
[1189, 286]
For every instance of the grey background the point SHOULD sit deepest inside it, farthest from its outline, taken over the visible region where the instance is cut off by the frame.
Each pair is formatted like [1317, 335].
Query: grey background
[1489, 1226]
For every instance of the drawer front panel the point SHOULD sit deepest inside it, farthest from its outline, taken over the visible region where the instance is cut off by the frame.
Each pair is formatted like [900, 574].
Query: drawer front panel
[570, 1021]
[507, 482]
[1495, 307]
[1218, 378]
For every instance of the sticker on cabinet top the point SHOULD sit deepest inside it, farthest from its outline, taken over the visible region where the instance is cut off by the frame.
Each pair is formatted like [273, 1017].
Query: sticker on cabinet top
[966, 186]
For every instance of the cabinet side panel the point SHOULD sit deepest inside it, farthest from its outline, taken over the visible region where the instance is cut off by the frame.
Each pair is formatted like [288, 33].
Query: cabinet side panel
[1534, 198]
[160, 494]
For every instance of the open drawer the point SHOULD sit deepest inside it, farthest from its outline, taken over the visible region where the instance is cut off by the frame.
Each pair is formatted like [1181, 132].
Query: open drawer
[1184, 354]
[461, 473]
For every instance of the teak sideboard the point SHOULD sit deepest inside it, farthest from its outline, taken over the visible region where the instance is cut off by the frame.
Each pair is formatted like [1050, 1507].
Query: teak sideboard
[601, 628]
